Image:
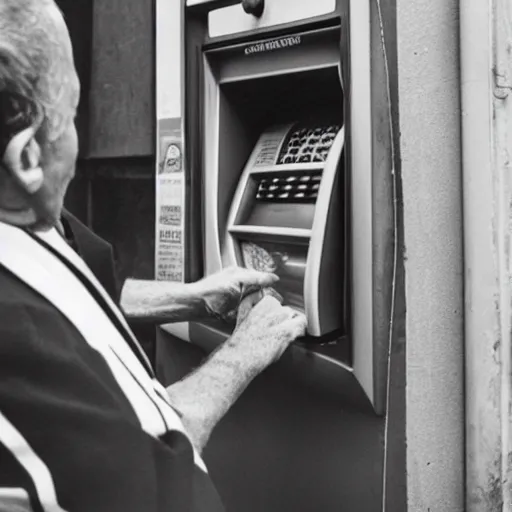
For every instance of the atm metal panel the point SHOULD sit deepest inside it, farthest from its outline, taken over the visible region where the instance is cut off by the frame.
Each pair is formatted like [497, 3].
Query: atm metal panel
[219, 72]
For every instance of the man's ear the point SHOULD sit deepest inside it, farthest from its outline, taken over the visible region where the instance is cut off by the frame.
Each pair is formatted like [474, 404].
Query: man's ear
[22, 158]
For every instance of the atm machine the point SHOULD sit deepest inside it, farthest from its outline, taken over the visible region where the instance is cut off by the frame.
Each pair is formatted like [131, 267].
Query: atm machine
[279, 156]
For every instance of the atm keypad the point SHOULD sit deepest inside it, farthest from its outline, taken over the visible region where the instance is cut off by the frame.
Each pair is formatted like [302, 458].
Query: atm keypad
[307, 145]
[297, 188]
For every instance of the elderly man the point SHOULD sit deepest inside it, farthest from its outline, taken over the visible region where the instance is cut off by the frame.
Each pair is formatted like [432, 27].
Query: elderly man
[84, 425]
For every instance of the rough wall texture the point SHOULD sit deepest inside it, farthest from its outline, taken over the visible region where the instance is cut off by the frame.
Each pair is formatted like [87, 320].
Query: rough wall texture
[121, 109]
[486, 66]
[429, 98]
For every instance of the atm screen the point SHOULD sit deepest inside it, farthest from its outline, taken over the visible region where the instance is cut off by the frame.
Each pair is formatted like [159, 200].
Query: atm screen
[288, 262]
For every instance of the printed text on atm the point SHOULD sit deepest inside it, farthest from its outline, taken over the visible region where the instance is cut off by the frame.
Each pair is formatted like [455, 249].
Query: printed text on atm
[276, 44]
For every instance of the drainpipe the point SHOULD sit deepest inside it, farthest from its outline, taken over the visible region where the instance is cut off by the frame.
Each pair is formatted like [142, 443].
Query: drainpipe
[486, 144]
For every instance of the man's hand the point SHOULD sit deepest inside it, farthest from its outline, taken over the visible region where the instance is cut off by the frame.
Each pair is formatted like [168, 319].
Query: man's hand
[259, 339]
[223, 292]
[265, 328]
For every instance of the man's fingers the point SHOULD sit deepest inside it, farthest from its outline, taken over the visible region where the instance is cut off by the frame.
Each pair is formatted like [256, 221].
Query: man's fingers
[300, 325]
[249, 277]
[296, 327]
[270, 292]
[269, 301]
[253, 279]
[263, 306]
[246, 305]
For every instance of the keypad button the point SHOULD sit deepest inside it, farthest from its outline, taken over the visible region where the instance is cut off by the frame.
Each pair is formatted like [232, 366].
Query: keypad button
[315, 141]
[300, 187]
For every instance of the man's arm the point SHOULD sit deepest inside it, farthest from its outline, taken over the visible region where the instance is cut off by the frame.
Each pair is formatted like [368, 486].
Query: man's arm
[217, 295]
[205, 396]
[161, 301]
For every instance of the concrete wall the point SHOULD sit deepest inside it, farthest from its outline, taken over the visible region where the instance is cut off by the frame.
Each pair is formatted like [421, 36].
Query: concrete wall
[429, 96]
[486, 69]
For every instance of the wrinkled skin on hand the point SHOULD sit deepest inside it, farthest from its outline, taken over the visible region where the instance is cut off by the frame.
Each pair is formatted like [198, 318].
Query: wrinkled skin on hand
[265, 328]
[223, 292]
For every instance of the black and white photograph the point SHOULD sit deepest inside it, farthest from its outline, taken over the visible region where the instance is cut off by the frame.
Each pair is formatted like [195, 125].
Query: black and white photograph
[255, 256]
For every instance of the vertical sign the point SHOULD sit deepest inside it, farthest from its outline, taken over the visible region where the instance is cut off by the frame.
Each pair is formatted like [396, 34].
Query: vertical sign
[170, 178]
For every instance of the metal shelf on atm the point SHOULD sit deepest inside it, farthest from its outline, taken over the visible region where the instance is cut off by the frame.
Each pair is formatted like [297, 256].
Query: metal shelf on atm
[270, 230]
[300, 167]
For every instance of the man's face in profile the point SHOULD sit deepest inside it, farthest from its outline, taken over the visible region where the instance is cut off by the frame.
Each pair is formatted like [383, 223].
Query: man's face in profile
[58, 156]
[39, 159]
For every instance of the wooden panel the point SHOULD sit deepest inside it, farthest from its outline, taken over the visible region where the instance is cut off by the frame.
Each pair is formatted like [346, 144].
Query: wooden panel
[122, 81]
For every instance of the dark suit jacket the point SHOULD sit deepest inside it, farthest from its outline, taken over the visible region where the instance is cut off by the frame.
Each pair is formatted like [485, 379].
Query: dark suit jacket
[99, 257]
[61, 396]
[96, 252]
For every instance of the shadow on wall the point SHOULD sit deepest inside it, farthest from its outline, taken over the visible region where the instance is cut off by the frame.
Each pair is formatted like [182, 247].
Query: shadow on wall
[118, 196]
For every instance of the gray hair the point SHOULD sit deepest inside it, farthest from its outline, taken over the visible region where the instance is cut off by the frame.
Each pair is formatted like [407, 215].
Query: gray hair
[32, 76]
